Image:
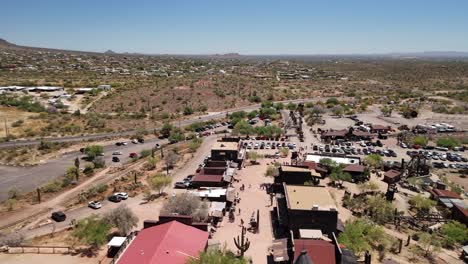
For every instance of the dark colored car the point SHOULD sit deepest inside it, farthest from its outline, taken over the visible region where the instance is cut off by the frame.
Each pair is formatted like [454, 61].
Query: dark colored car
[58, 216]
[133, 155]
[115, 159]
[141, 140]
[114, 198]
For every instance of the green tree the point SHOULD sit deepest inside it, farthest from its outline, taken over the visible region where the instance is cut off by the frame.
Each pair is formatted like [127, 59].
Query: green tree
[188, 110]
[380, 210]
[216, 256]
[195, 144]
[361, 235]
[448, 142]
[421, 203]
[338, 175]
[159, 181]
[420, 140]
[430, 244]
[386, 111]
[92, 231]
[93, 151]
[242, 128]
[166, 129]
[123, 218]
[454, 233]
[332, 101]
[291, 106]
[373, 160]
[271, 171]
[253, 156]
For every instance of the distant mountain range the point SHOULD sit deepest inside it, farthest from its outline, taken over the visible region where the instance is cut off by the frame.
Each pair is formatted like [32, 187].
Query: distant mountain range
[426, 54]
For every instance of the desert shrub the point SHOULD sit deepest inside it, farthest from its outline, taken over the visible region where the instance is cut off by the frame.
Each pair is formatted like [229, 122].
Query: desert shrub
[52, 186]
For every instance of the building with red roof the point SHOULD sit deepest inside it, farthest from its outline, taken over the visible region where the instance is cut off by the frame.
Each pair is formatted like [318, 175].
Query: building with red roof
[392, 176]
[357, 171]
[319, 251]
[460, 213]
[172, 242]
[439, 193]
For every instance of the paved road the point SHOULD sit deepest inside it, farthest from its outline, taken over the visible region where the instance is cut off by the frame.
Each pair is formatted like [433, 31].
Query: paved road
[142, 210]
[27, 179]
[186, 122]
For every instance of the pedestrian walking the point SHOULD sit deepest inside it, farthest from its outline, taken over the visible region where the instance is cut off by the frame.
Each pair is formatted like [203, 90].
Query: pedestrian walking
[239, 211]
[242, 222]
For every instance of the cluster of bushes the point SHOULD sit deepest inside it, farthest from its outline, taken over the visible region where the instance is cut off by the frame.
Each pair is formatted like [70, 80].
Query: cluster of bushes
[25, 103]
[93, 191]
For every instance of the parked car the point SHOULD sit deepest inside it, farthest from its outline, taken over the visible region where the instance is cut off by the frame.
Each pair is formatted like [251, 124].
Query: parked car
[141, 140]
[181, 185]
[58, 216]
[118, 143]
[115, 159]
[114, 198]
[122, 195]
[134, 141]
[189, 178]
[133, 155]
[117, 153]
[94, 205]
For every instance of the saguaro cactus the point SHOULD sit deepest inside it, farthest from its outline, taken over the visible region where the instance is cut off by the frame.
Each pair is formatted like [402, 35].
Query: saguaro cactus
[242, 243]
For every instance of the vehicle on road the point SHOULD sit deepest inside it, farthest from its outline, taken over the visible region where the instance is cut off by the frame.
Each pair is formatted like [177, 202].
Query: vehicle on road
[133, 155]
[141, 140]
[122, 195]
[134, 141]
[157, 146]
[114, 198]
[181, 185]
[94, 205]
[117, 153]
[58, 216]
[115, 159]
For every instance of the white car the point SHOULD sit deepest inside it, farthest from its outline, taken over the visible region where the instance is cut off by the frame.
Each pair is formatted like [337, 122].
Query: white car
[124, 143]
[95, 204]
[122, 195]
[117, 153]
[134, 141]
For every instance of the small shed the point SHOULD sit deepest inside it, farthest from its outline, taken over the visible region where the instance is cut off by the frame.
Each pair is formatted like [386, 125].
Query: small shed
[392, 176]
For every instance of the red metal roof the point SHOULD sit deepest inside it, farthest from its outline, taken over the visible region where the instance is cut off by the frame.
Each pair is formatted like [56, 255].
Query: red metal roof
[312, 165]
[462, 210]
[171, 242]
[392, 174]
[446, 194]
[336, 133]
[207, 178]
[354, 168]
[320, 251]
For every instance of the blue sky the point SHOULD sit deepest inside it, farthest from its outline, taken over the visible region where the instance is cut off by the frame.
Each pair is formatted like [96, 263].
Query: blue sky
[246, 27]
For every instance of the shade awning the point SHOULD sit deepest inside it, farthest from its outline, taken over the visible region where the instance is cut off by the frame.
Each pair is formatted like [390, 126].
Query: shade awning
[116, 241]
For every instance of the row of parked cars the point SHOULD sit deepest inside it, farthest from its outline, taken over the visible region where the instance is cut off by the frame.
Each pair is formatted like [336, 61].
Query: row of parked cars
[346, 148]
[430, 147]
[454, 157]
[268, 145]
[213, 126]
[60, 216]
[443, 165]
